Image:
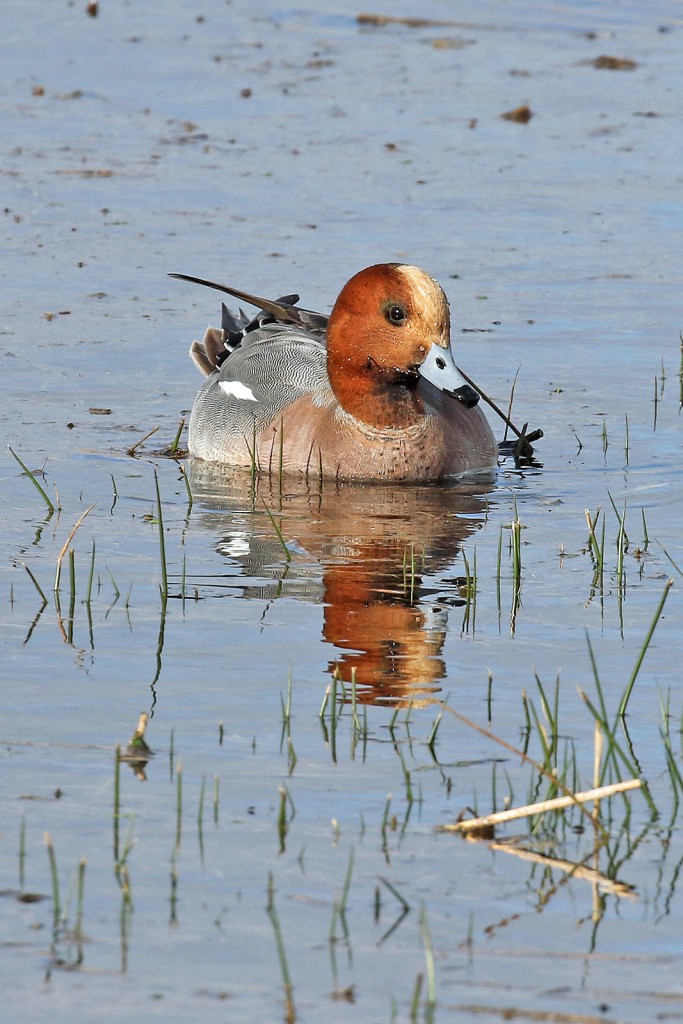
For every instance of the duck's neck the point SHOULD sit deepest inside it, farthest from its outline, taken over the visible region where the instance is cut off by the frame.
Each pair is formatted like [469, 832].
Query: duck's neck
[380, 397]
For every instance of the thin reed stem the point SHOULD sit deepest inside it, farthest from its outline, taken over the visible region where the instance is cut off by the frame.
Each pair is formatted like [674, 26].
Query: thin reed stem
[287, 553]
[281, 952]
[162, 543]
[54, 875]
[629, 686]
[32, 478]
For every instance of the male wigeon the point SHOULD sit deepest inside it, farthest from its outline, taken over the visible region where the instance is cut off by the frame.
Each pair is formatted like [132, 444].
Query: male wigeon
[370, 393]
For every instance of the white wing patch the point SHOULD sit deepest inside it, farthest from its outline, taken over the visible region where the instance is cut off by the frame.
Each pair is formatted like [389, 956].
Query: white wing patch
[238, 390]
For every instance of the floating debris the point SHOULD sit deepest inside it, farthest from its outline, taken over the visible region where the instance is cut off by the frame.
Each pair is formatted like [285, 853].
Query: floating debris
[614, 63]
[486, 822]
[520, 115]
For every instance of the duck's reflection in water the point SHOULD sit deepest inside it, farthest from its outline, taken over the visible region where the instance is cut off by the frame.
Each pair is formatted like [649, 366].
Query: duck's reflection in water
[382, 560]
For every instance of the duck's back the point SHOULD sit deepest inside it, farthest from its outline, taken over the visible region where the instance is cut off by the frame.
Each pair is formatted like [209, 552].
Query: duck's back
[271, 368]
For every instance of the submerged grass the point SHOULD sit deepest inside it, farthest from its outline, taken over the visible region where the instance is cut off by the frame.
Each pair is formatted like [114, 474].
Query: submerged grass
[200, 818]
[65, 546]
[179, 805]
[162, 541]
[470, 614]
[54, 876]
[278, 530]
[32, 477]
[639, 661]
[429, 957]
[288, 988]
[285, 817]
[409, 572]
[22, 854]
[175, 443]
[190, 499]
[116, 820]
[36, 584]
[80, 901]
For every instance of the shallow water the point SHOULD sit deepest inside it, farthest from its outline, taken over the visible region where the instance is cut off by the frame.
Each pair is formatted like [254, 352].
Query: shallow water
[129, 151]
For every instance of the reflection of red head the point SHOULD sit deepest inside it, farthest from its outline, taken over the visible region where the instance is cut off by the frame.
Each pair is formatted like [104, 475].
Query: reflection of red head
[370, 549]
[370, 616]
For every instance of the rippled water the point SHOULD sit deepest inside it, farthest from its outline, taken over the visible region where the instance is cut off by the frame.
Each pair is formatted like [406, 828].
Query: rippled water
[283, 149]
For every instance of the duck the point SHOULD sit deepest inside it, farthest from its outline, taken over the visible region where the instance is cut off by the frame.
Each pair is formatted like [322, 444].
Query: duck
[369, 393]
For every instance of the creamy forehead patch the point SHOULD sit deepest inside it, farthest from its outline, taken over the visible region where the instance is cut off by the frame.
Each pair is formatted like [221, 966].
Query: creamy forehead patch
[238, 390]
[429, 295]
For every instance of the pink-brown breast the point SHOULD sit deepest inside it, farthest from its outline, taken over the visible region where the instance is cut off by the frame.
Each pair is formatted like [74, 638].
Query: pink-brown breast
[449, 439]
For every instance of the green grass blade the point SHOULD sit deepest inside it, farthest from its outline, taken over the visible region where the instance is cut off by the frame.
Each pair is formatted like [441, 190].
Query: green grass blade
[32, 478]
[629, 686]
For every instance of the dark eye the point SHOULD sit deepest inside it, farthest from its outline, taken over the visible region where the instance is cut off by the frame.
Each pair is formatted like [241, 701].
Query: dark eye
[396, 314]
